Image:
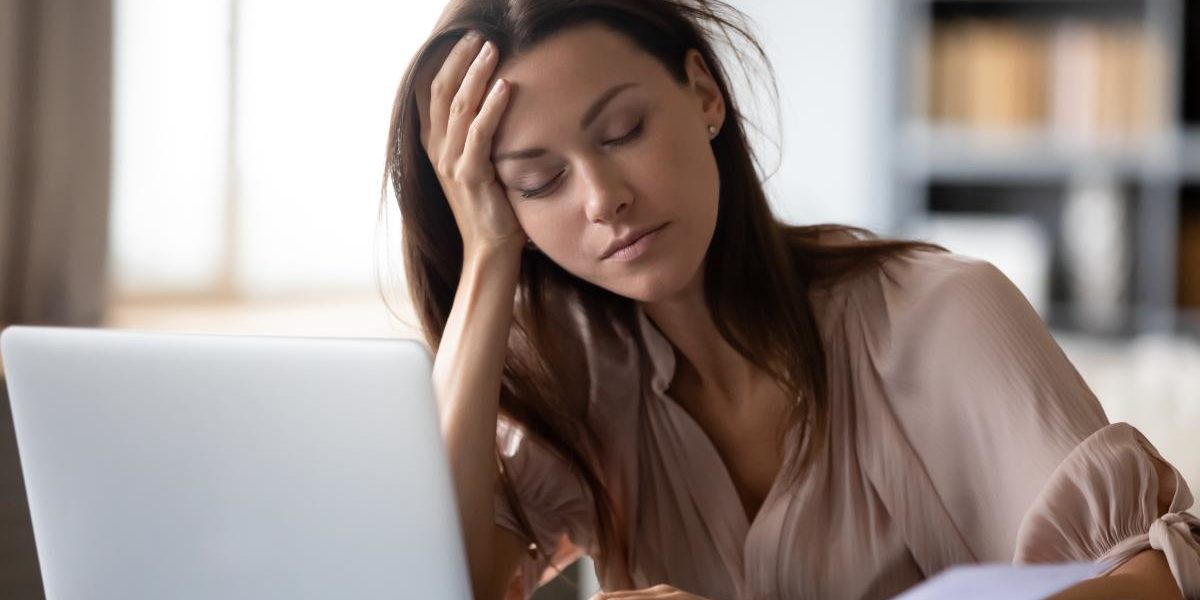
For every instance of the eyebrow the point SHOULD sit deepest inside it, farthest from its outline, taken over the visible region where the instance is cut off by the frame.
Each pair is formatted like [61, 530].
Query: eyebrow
[589, 116]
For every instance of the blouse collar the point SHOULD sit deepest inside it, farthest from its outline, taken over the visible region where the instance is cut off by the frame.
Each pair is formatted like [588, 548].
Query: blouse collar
[659, 351]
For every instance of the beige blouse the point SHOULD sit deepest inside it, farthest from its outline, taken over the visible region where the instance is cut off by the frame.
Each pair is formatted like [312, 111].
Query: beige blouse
[960, 433]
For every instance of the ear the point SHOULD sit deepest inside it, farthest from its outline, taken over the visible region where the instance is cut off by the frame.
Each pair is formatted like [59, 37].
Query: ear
[704, 86]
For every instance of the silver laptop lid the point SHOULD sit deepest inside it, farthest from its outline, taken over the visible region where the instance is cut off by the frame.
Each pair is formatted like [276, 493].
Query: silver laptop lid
[212, 466]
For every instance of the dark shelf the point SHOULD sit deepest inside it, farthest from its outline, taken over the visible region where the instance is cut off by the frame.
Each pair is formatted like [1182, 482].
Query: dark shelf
[1188, 267]
[1190, 64]
[1038, 9]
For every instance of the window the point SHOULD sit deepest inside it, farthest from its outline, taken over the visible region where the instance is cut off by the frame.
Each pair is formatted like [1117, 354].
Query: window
[248, 147]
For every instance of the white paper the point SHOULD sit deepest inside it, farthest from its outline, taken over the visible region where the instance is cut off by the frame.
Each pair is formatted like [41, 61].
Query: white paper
[996, 581]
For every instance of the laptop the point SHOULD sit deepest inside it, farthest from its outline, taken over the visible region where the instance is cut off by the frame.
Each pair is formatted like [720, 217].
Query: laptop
[185, 465]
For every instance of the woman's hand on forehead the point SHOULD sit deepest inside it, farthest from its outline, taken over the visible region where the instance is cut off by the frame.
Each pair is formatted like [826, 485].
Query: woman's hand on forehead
[457, 129]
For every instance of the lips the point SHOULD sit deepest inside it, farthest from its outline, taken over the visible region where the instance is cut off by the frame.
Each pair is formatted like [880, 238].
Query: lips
[629, 240]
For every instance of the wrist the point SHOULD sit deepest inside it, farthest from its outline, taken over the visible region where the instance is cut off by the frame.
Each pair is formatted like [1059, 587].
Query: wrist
[492, 257]
[494, 252]
[491, 264]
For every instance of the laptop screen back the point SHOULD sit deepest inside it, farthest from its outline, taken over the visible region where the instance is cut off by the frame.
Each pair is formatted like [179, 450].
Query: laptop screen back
[210, 466]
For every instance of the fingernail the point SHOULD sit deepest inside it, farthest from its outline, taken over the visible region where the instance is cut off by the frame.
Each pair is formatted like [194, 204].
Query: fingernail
[471, 35]
[487, 49]
[499, 86]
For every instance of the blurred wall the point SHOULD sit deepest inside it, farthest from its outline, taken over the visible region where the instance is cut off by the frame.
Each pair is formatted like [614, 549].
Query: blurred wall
[827, 58]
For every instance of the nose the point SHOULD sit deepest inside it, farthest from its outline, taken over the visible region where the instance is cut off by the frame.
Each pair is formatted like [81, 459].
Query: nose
[607, 197]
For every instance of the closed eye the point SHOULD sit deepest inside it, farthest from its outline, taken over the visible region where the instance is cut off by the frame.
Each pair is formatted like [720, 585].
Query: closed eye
[541, 190]
[628, 137]
[624, 139]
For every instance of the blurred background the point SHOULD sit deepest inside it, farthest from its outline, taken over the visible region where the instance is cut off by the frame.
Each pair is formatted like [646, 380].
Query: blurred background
[215, 165]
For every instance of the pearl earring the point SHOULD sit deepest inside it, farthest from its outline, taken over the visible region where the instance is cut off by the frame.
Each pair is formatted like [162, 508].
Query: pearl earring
[712, 131]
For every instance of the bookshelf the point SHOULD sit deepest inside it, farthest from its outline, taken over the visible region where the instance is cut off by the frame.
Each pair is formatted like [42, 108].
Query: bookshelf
[1081, 117]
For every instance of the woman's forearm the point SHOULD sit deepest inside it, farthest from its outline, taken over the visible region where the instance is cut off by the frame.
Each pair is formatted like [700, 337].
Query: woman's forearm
[466, 377]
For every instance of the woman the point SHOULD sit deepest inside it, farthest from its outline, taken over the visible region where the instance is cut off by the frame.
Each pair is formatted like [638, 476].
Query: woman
[636, 360]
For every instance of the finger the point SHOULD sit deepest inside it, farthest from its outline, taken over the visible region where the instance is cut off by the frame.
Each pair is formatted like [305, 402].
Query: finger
[423, 76]
[465, 105]
[481, 134]
[445, 83]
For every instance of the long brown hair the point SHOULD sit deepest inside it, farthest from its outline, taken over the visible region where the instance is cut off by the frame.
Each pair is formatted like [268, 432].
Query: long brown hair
[758, 270]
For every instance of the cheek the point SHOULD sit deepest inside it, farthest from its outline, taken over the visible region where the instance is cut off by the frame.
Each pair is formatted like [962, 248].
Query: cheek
[679, 168]
[687, 178]
[551, 225]
[677, 159]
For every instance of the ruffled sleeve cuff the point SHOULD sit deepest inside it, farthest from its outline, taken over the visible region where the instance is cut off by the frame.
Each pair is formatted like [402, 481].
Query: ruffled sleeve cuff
[1105, 502]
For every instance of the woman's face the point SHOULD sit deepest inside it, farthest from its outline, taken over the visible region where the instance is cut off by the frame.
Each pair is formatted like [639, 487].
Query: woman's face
[599, 144]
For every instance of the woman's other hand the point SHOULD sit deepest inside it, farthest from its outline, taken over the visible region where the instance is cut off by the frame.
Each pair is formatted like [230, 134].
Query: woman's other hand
[458, 123]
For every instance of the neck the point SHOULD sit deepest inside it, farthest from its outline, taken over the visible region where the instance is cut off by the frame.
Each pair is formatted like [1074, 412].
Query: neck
[706, 364]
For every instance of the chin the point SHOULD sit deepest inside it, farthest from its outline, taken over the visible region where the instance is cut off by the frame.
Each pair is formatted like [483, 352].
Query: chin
[651, 292]
[656, 280]
[652, 285]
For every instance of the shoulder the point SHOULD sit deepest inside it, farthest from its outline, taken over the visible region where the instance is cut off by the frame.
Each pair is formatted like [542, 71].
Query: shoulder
[926, 288]
[958, 347]
[951, 335]
[941, 308]
[920, 289]
[918, 276]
